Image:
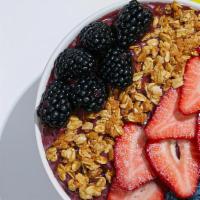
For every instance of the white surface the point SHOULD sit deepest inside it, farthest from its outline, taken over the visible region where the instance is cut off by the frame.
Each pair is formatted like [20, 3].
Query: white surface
[29, 32]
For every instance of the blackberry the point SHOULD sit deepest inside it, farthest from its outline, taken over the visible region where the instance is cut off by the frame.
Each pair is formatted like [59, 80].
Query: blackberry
[55, 108]
[89, 93]
[196, 195]
[73, 63]
[132, 23]
[170, 196]
[97, 37]
[116, 68]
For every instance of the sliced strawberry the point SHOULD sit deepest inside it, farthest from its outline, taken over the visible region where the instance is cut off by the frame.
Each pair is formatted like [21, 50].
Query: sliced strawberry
[149, 191]
[190, 92]
[132, 168]
[198, 131]
[198, 49]
[167, 122]
[177, 164]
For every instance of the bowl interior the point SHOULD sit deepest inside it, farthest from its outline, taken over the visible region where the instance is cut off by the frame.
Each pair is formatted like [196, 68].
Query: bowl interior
[63, 44]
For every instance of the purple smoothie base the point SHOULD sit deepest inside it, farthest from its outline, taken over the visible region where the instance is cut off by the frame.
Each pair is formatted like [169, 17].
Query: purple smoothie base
[49, 135]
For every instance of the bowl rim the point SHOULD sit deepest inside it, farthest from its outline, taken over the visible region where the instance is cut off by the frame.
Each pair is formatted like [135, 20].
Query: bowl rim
[49, 66]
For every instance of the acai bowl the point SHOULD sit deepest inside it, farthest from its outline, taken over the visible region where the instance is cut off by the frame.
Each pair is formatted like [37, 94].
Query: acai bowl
[113, 120]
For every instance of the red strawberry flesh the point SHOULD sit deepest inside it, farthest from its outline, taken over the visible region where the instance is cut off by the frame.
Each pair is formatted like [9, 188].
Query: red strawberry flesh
[198, 132]
[179, 172]
[149, 191]
[168, 122]
[190, 92]
[132, 168]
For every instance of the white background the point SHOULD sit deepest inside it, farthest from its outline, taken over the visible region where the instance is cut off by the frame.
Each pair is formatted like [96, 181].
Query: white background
[29, 32]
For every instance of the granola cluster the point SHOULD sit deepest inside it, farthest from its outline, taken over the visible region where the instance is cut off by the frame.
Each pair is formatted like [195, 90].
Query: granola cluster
[84, 152]
[160, 60]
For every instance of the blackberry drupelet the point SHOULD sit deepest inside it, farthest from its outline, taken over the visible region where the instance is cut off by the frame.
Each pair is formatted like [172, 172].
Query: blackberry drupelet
[116, 69]
[55, 108]
[74, 63]
[97, 37]
[89, 93]
[132, 23]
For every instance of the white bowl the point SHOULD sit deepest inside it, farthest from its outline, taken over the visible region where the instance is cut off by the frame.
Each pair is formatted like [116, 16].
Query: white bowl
[43, 82]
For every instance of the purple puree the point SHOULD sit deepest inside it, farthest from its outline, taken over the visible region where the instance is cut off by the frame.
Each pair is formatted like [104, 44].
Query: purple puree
[49, 135]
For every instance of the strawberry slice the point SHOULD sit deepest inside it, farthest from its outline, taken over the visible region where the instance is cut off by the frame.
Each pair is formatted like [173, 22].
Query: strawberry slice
[198, 131]
[149, 191]
[177, 164]
[167, 122]
[132, 168]
[190, 93]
